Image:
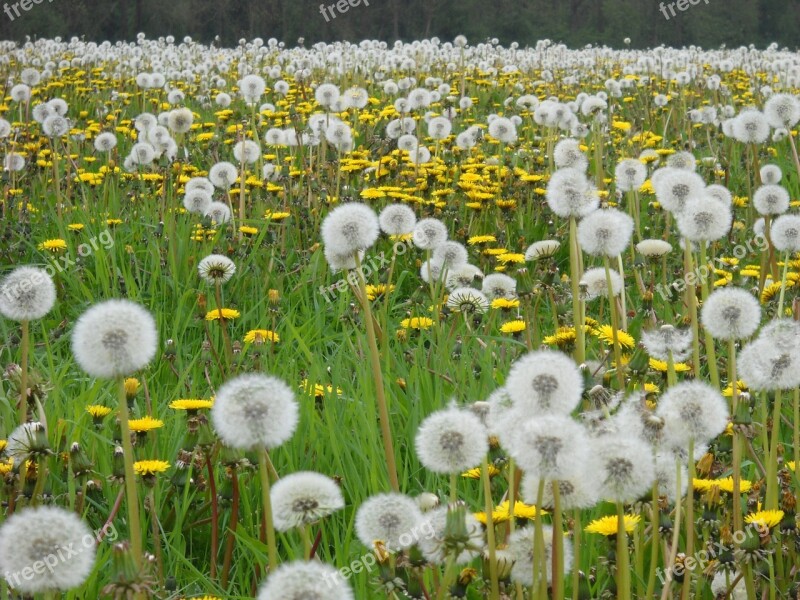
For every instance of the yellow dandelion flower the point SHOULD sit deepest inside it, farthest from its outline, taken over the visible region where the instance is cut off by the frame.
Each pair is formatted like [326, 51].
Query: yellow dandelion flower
[6, 466]
[750, 272]
[772, 290]
[191, 404]
[113, 222]
[481, 239]
[740, 385]
[98, 411]
[54, 245]
[651, 388]
[511, 257]
[724, 485]
[505, 303]
[227, 314]
[661, 366]
[131, 386]
[605, 333]
[75, 226]
[277, 215]
[3, 444]
[248, 231]
[372, 193]
[608, 525]
[376, 291]
[318, 390]
[150, 467]
[765, 518]
[562, 337]
[476, 472]
[417, 323]
[515, 326]
[145, 424]
[259, 336]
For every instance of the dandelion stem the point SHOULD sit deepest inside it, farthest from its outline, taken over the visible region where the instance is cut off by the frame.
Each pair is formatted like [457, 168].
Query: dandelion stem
[212, 488]
[676, 530]
[490, 532]
[226, 562]
[134, 521]
[272, 546]
[655, 542]
[538, 544]
[710, 349]
[622, 573]
[575, 277]
[620, 369]
[377, 374]
[576, 549]
[687, 582]
[783, 283]
[772, 463]
[691, 303]
[23, 384]
[737, 441]
[558, 544]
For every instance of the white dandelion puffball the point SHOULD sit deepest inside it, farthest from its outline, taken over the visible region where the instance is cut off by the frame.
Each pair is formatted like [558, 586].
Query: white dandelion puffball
[730, 313]
[450, 254]
[105, 142]
[571, 194]
[247, 151]
[304, 498]
[499, 285]
[545, 382]
[432, 543]
[692, 410]
[751, 127]
[771, 174]
[255, 411]
[390, 518]
[197, 201]
[771, 200]
[576, 490]
[520, 549]
[36, 536]
[767, 366]
[180, 120]
[782, 111]
[429, 233]
[27, 293]
[721, 193]
[568, 155]
[312, 580]
[542, 249]
[704, 218]
[467, 300]
[547, 447]
[653, 248]
[605, 232]
[503, 129]
[218, 212]
[223, 175]
[630, 174]
[397, 219]
[199, 183]
[350, 227]
[673, 187]
[594, 283]
[216, 268]
[722, 582]
[462, 276]
[451, 440]
[785, 233]
[627, 467]
[114, 338]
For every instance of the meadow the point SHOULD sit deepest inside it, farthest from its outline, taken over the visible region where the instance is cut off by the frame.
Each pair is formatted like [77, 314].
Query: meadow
[423, 320]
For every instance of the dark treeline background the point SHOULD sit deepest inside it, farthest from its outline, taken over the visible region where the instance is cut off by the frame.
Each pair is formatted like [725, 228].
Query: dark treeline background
[574, 22]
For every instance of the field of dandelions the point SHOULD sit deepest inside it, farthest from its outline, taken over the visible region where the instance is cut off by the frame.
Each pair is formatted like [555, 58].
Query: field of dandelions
[424, 321]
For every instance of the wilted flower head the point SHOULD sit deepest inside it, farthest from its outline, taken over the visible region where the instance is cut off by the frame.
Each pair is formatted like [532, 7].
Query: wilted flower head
[451, 440]
[114, 338]
[544, 382]
[304, 498]
[255, 411]
[390, 518]
[36, 536]
[429, 233]
[216, 268]
[542, 249]
[730, 313]
[605, 232]
[397, 219]
[692, 410]
[311, 580]
[27, 293]
[462, 276]
[350, 227]
[27, 442]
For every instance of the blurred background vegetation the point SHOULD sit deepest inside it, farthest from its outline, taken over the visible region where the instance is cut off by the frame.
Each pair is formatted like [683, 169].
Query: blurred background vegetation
[574, 22]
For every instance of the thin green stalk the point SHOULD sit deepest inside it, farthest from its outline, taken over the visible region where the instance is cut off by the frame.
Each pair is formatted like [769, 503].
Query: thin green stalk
[676, 530]
[490, 533]
[687, 582]
[691, 303]
[655, 542]
[575, 277]
[377, 375]
[623, 568]
[576, 549]
[737, 441]
[620, 370]
[558, 545]
[23, 384]
[711, 354]
[132, 498]
[538, 543]
[272, 546]
[772, 462]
